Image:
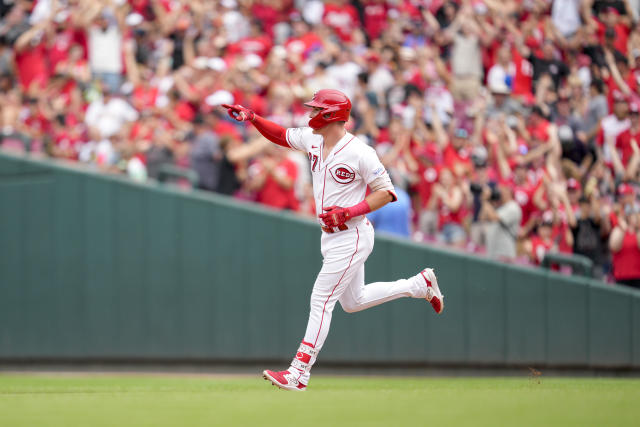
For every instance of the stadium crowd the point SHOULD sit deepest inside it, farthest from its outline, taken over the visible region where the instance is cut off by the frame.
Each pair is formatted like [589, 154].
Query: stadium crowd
[510, 127]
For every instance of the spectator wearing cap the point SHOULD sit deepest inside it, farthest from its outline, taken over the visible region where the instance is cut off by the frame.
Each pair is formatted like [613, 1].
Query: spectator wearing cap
[624, 244]
[611, 126]
[503, 71]
[626, 198]
[456, 154]
[574, 192]
[542, 241]
[502, 215]
[502, 104]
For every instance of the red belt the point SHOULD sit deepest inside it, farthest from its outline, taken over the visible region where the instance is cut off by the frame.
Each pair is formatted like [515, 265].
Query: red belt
[331, 230]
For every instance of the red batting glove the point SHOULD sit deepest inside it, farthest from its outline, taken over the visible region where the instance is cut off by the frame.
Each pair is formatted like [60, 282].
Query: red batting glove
[239, 113]
[335, 216]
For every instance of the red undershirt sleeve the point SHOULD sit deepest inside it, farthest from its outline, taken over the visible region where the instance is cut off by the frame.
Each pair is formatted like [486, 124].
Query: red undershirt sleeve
[272, 131]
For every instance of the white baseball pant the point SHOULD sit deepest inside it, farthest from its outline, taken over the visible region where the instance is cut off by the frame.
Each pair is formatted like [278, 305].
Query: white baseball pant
[342, 279]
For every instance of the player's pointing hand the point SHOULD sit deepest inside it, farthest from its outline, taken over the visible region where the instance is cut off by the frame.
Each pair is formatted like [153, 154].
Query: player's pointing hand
[239, 113]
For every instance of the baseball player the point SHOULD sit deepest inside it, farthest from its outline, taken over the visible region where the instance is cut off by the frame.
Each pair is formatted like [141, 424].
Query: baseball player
[342, 168]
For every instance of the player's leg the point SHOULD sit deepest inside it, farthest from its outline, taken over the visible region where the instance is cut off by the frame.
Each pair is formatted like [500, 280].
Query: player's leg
[343, 259]
[358, 296]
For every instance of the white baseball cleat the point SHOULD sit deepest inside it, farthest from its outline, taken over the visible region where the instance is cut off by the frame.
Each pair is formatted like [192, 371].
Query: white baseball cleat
[284, 380]
[434, 296]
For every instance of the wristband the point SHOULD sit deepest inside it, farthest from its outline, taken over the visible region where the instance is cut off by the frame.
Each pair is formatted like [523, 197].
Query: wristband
[360, 209]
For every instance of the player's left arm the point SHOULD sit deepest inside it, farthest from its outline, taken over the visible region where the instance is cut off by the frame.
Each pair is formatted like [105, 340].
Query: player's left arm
[382, 192]
[378, 199]
[335, 216]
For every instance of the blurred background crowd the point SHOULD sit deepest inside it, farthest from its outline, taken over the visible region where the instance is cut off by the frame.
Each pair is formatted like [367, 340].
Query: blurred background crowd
[509, 127]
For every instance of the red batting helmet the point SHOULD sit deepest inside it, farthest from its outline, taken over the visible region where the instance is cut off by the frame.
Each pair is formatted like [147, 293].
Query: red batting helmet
[335, 107]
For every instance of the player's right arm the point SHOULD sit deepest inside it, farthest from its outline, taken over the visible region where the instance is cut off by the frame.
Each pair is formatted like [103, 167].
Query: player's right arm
[270, 130]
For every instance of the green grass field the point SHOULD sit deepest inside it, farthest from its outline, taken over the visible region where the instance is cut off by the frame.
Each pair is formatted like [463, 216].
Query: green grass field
[152, 400]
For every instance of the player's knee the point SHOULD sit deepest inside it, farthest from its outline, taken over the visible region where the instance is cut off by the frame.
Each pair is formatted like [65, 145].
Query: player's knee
[349, 306]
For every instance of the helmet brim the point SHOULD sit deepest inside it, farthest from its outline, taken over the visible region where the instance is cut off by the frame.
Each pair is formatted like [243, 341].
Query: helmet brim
[314, 104]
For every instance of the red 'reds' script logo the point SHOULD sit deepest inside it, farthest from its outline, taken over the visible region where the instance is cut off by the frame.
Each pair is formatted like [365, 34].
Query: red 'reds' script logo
[343, 174]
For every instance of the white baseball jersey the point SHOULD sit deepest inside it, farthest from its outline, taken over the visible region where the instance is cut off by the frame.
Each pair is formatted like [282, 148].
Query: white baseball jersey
[342, 178]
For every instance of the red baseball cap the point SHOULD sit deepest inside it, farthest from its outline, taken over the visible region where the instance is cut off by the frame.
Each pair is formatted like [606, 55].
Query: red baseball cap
[625, 189]
[547, 218]
[611, 9]
[573, 184]
[584, 60]
[619, 96]
[372, 57]
[431, 152]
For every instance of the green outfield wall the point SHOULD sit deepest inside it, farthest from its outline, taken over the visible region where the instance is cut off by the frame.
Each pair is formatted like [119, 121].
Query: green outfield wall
[97, 267]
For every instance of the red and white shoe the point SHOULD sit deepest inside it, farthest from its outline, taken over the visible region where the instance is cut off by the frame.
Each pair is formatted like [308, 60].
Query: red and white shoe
[284, 380]
[434, 296]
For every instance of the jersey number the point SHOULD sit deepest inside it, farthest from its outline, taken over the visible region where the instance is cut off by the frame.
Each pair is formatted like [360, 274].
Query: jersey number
[314, 159]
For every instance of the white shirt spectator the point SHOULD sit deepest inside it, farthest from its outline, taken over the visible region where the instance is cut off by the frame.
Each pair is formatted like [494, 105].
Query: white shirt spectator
[635, 9]
[100, 153]
[501, 234]
[105, 50]
[611, 128]
[236, 25]
[108, 118]
[346, 74]
[41, 11]
[441, 98]
[312, 10]
[380, 80]
[466, 56]
[565, 15]
[322, 81]
[498, 75]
